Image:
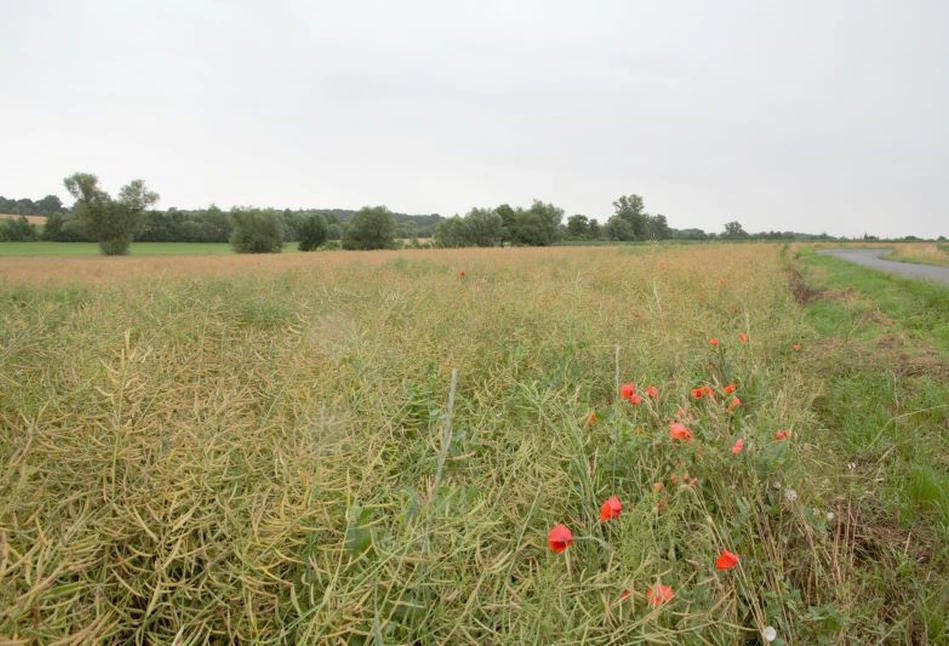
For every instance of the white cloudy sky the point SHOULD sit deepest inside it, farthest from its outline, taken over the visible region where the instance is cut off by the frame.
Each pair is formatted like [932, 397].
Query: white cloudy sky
[804, 115]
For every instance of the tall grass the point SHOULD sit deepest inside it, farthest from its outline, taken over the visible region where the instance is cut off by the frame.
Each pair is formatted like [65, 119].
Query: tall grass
[927, 253]
[355, 448]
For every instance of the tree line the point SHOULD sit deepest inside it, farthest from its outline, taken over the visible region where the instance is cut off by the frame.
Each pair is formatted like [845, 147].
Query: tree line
[116, 222]
[25, 206]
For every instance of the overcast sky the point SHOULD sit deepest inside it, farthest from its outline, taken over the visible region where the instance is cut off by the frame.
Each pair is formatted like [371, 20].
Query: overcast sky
[802, 115]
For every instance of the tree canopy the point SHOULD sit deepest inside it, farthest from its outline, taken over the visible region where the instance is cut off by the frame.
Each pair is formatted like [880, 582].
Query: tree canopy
[25, 206]
[373, 227]
[111, 223]
[312, 231]
[257, 230]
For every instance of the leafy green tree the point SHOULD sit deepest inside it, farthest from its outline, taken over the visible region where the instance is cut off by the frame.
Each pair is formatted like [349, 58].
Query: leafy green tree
[17, 230]
[595, 230]
[734, 231]
[485, 228]
[689, 234]
[618, 228]
[657, 228]
[578, 227]
[49, 205]
[312, 231]
[372, 227]
[629, 220]
[537, 226]
[257, 230]
[452, 232]
[509, 219]
[111, 223]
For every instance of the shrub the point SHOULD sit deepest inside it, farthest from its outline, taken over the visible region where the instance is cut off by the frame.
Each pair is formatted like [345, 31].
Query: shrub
[373, 227]
[17, 230]
[257, 231]
[312, 231]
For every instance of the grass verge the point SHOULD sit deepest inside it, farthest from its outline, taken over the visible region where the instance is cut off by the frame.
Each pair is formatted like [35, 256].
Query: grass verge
[880, 353]
[925, 253]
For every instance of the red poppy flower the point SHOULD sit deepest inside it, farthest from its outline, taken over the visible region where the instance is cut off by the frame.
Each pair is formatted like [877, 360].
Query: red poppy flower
[592, 418]
[693, 482]
[742, 337]
[726, 561]
[559, 538]
[627, 390]
[729, 389]
[462, 273]
[714, 341]
[679, 432]
[782, 435]
[659, 595]
[739, 445]
[703, 391]
[611, 508]
[635, 399]
[658, 486]
[652, 392]
[735, 403]
[796, 346]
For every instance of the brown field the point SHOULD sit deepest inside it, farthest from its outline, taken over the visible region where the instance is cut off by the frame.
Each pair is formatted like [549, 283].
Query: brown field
[86, 269]
[32, 219]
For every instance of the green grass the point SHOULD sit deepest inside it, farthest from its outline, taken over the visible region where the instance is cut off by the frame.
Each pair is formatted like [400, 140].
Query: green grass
[881, 356]
[920, 307]
[370, 448]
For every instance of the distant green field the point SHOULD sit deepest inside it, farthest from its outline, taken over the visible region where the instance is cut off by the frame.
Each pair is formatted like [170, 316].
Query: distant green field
[137, 249]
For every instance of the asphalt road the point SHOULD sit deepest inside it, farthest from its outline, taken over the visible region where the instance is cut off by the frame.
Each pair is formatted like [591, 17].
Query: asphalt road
[871, 258]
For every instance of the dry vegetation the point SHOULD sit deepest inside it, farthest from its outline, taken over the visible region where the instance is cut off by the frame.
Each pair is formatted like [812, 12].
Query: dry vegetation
[927, 253]
[32, 219]
[268, 449]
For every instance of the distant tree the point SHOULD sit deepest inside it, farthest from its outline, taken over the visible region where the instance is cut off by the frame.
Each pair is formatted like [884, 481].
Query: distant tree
[293, 221]
[18, 230]
[24, 206]
[537, 226]
[257, 230]
[406, 229]
[372, 227]
[508, 222]
[452, 232]
[63, 227]
[734, 231]
[220, 224]
[49, 205]
[578, 227]
[657, 228]
[111, 223]
[485, 228]
[629, 220]
[312, 231]
[595, 230]
[689, 234]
